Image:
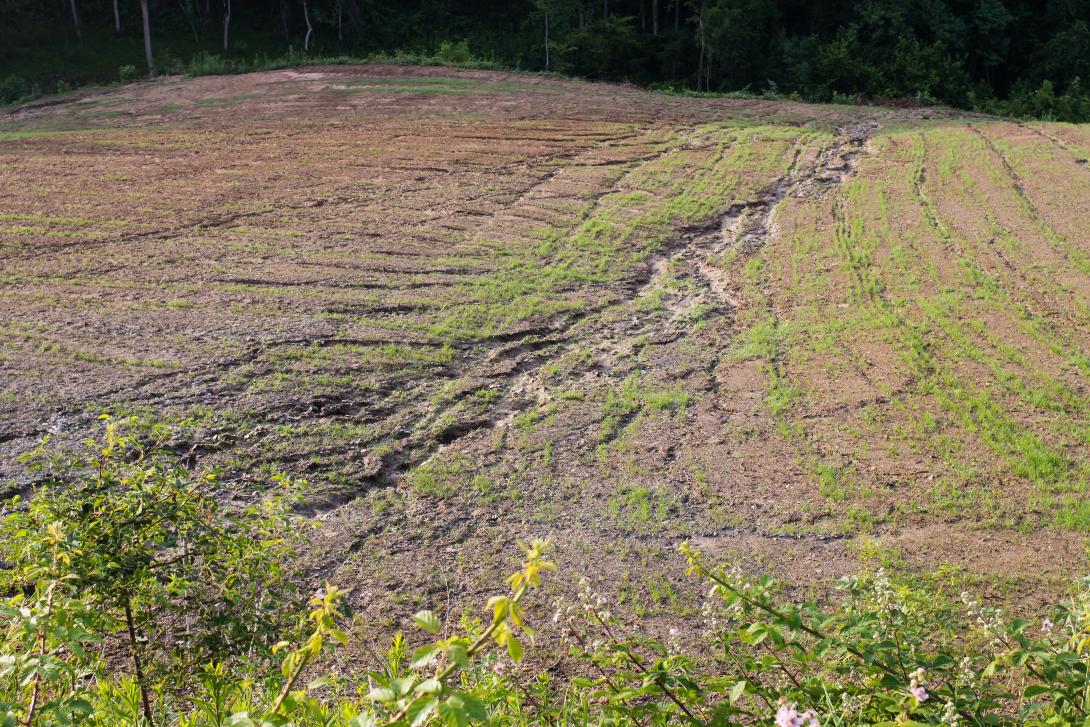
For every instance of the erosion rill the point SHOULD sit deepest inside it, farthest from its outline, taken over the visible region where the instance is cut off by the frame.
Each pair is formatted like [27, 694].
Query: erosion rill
[470, 307]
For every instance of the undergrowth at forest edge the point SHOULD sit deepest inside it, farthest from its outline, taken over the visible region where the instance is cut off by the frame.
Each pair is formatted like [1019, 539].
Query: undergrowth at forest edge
[138, 593]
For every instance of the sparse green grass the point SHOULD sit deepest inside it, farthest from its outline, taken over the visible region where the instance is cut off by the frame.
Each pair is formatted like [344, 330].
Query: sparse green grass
[939, 330]
[440, 479]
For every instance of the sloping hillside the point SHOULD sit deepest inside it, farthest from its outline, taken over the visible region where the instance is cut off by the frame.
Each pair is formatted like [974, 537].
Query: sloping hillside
[470, 307]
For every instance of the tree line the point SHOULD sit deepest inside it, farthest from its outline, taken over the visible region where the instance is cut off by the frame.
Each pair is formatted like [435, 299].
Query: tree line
[1028, 57]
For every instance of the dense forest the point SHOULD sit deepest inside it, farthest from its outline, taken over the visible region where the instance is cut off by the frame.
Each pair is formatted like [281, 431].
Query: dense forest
[1023, 57]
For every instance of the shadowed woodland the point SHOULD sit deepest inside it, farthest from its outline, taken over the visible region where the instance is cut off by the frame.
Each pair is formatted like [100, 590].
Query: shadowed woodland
[1018, 57]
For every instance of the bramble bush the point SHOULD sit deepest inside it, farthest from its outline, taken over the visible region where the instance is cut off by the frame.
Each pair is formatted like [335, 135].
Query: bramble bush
[138, 593]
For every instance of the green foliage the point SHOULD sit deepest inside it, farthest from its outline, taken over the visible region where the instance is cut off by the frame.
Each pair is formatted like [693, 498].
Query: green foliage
[1044, 103]
[13, 89]
[122, 547]
[454, 53]
[120, 552]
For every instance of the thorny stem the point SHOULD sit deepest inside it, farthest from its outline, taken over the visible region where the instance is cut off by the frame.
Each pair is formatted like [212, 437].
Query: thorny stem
[41, 653]
[643, 670]
[752, 680]
[473, 649]
[780, 617]
[783, 667]
[583, 645]
[137, 667]
[900, 661]
[532, 700]
[701, 568]
[286, 689]
[1030, 668]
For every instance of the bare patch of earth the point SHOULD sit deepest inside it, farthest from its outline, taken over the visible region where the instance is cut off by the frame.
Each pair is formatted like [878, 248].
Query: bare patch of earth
[472, 307]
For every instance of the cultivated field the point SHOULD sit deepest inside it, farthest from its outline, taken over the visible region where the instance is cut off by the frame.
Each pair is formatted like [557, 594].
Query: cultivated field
[470, 307]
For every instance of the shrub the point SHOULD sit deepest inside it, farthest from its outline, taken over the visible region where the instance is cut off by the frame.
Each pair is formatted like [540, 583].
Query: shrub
[1044, 103]
[208, 64]
[454, 53]
[120, 547]
[127, 72]
[12, 89]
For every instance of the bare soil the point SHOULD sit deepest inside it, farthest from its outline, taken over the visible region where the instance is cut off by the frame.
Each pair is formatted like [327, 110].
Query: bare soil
[473, 307]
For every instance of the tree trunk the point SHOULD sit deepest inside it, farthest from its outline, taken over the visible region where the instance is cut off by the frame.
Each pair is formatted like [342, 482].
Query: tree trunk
[355, 17]
[546, 41]
[147, 38]
[117, 19]
[191, 18]
[677, 15]
[226, 22]
[75, 19]
[137, 667]
[310, 28]
[284, 19]
[700, 63]
[643, 16]
[340, 21]
[605, 9]
[654, 17]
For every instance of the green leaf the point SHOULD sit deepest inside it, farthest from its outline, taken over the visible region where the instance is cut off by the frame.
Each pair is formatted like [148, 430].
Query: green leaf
[428, 621]
[429, 686]
[421, 710]
[514, 648]
[1035, 690]
[451, 714]
[758, 631]
[320, 682]
[402, 686]
[737, 691]
[458, 654]
[471, 707]
[382, 694]
[423, 656]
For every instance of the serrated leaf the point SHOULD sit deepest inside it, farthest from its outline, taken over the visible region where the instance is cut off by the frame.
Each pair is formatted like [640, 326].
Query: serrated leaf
[514, 648]
[1035, 690]
[457, 654]
[423, 656]
[403, 685]
[420, 711]
[428, 621]
[474, 708]
[381, 694]
[320, 682]
[429, 686]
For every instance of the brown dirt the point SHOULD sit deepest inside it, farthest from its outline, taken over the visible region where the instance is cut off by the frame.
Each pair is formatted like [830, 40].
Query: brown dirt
[472, 307]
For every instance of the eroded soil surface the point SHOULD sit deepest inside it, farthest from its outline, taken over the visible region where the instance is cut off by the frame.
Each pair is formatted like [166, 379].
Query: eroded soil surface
[472, 307]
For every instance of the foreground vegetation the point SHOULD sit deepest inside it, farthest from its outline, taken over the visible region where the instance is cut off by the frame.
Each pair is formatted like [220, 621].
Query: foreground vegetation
[135, 596]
